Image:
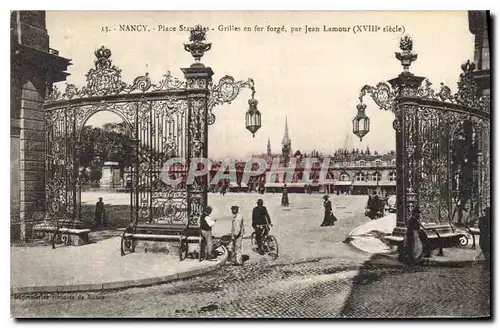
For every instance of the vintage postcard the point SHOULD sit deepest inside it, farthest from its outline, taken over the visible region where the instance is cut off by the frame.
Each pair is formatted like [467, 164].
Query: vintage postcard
[250, 164]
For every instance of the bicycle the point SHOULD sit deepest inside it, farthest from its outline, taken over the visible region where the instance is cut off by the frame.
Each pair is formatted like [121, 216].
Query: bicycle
[269, 242]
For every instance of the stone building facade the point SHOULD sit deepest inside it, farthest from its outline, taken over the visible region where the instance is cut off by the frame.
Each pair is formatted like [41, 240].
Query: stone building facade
[34, 67]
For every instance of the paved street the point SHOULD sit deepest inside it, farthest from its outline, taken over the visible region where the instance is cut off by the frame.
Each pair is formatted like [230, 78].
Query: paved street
[316, 276]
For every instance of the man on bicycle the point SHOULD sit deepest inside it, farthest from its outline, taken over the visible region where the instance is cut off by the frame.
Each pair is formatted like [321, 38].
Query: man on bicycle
[260, 222]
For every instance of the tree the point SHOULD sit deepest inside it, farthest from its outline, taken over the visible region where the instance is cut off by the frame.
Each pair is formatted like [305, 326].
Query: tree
[111, 143]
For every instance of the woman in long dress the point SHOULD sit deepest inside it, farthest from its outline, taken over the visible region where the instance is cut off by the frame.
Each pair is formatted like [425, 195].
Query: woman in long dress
[413, 247]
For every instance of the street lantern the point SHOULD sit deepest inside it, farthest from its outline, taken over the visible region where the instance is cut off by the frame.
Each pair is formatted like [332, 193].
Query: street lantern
[252, 116]
[361, 122]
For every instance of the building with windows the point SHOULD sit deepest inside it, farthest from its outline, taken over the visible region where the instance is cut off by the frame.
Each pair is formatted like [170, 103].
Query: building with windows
[350, 172]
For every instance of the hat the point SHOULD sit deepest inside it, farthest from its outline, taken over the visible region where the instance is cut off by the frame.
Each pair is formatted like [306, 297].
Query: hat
[208, 208]
[234, 207]
[326, 197]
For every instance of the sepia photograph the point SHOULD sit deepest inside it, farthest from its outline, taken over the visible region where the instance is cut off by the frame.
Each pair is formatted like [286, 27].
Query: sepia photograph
[250, 164]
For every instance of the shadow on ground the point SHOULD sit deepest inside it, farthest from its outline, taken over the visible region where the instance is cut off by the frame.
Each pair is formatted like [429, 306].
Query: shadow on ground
[384, 288]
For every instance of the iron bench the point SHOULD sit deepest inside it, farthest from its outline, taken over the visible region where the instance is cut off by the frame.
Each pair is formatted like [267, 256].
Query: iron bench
[436, 240]
[179, 233]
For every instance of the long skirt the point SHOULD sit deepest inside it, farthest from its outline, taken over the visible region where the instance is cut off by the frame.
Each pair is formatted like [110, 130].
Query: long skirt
[329, 219]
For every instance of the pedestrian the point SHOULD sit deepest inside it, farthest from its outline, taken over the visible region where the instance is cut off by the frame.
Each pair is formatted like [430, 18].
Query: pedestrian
[237, 232]
[371, 208]
[261, 220]
[485, 234]
[284, 197]
[100, 212]
[328, 219]
[206, 224]
[413, 248]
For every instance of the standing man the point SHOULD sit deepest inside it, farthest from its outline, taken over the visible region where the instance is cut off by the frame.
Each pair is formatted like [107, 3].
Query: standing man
[284, 197]
[100, 212]
[260, 223]
[237, 231]
[206, 224]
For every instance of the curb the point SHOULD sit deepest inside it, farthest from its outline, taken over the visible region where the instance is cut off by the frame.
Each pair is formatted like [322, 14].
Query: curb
[99, 287]
[429, 262]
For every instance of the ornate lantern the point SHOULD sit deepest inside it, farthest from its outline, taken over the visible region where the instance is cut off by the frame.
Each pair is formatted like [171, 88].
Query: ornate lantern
[252, 116]
[361, 122]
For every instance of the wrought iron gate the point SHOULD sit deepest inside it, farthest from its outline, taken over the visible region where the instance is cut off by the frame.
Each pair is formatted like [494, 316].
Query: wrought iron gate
[442, 142]
[164, 120]
[156, 117]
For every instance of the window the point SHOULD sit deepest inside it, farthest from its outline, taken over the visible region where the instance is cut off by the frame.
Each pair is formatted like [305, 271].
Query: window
[393, 162]
[378, 162]
[345, 177]
[362, 163]
[360, 176]
[375, 176]
[392, 176]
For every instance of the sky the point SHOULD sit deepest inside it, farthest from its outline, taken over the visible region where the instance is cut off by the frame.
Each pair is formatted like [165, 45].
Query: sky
[312, 79]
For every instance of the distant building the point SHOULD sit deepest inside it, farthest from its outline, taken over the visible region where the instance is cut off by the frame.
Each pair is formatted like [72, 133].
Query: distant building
[354, 171]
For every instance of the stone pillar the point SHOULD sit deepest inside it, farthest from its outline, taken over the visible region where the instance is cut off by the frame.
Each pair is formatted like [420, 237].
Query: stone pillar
[33, 67]
[32, 154]
[110, 175]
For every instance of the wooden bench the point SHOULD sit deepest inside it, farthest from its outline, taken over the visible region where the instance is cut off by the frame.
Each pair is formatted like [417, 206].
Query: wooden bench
[64, 235]
[436, 240]
[179, 233]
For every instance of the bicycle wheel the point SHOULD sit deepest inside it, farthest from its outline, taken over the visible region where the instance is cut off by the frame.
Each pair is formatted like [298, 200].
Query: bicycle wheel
[272, 247]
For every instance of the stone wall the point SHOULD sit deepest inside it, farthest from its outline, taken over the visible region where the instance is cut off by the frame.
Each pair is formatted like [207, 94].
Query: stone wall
[32, 154]
[14, 188]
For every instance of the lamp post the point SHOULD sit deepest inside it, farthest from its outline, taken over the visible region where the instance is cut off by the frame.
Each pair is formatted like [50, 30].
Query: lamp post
[424, 124]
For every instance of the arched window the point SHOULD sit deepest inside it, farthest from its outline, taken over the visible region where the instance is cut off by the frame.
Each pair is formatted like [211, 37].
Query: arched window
[344, 177]
[360, 176]
[362, 163]
[378, 162]
[393, 162]
[392, 176]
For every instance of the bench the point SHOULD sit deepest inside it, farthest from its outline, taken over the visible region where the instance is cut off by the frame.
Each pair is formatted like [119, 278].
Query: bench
[473, 232]
[436, 240]
[180, 233]
[64, 235]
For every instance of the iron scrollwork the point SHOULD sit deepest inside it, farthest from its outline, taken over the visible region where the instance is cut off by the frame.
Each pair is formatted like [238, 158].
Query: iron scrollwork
[427, 122]
[224, 92]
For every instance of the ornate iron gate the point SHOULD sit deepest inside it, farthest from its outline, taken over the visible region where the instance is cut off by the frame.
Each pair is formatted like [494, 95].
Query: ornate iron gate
[445, 151]
[442, 142]
[164, 120]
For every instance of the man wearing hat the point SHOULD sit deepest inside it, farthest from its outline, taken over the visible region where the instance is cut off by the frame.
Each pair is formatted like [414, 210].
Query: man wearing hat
[237, 231]
[261, 220]
[329, 219]
[206, 224]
